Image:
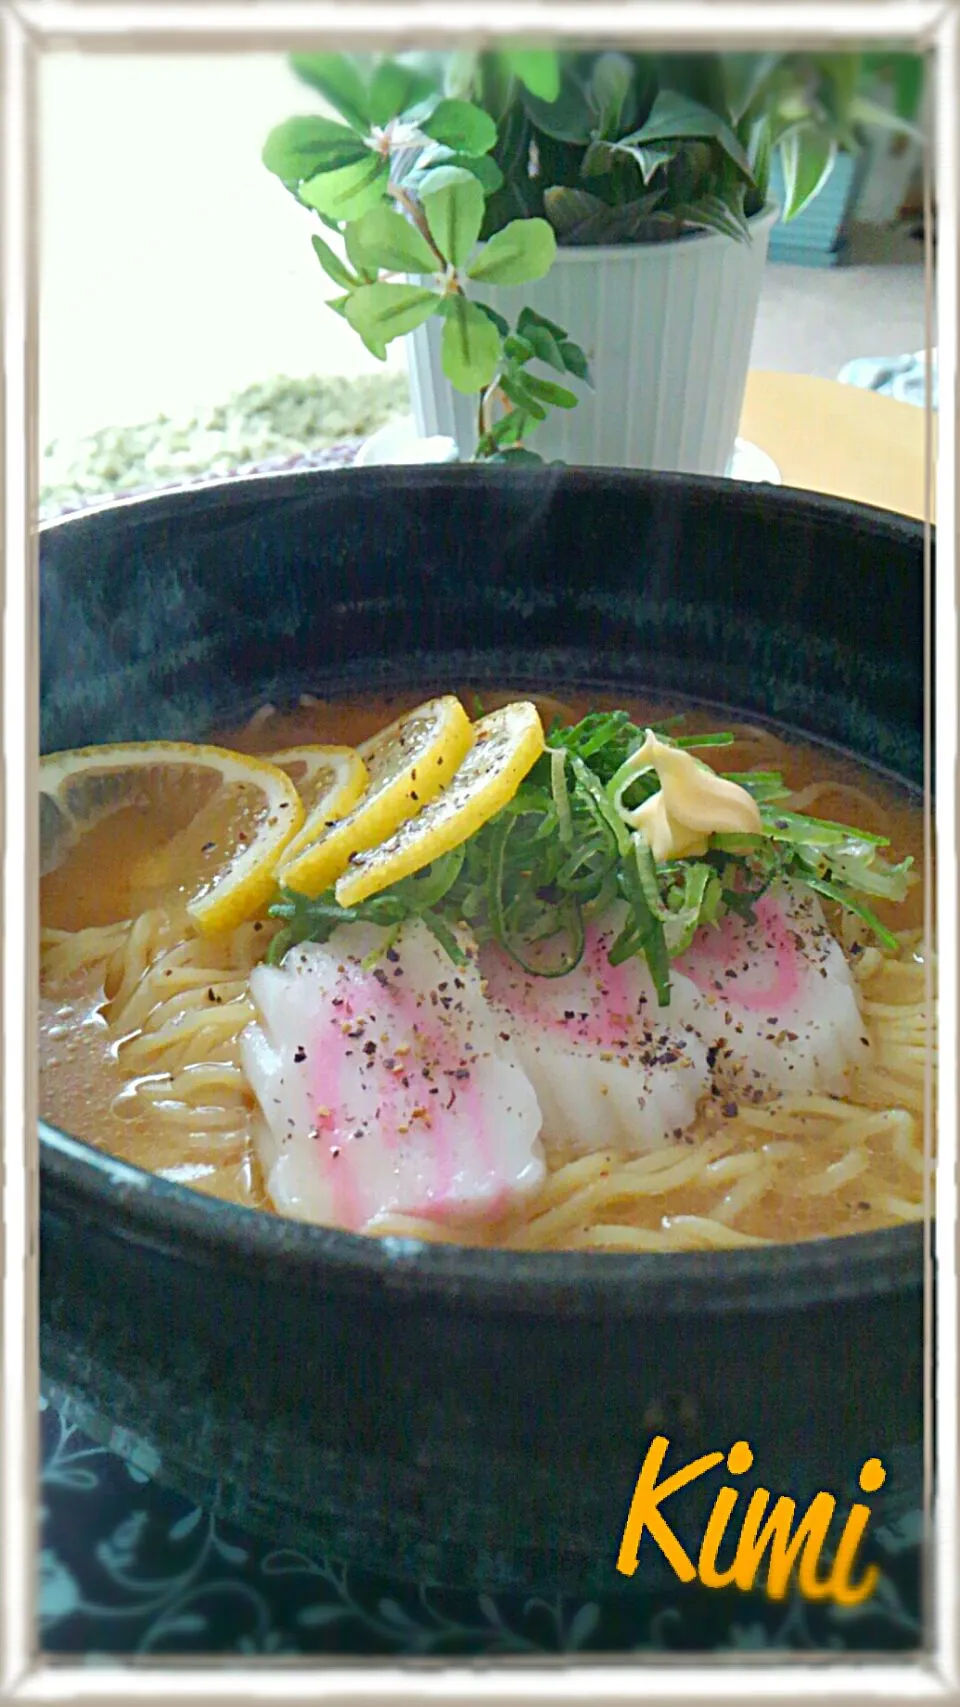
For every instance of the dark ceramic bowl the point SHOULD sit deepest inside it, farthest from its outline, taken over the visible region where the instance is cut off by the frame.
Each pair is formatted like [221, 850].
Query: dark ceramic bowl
[452, 1415]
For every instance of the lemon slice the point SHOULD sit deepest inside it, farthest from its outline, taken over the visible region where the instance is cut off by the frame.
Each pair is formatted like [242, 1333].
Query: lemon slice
[329, 780]
[408, 763]
[506, 745]
[127, 827]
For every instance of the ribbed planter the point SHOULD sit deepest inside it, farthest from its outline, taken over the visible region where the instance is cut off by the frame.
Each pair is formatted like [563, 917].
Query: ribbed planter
[667, 328]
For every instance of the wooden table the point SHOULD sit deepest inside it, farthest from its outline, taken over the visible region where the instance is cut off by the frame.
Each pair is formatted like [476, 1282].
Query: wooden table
[826, 437]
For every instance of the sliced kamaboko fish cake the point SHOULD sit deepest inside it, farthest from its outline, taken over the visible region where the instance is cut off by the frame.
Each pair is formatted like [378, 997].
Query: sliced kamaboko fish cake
[776, 1002]
[384, 1087]
[612, 1069]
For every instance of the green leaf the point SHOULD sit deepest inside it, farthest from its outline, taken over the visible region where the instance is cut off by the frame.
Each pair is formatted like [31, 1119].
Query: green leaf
[575, 361]
[760, 150]
[528, 317]
[544, 346]
[545, 391]
[676, 117]
[299, 148]
[471, 345]
[746, 77]
[807, 158]
[599, 160]
[484, 169]
[385, 239]
[514, 386]
[332, 265]
[461, 126]
[509, 430]
[581, 219]
[538, 69]
[336, 77]
[503, 326]
[611, 82]
[649, 157]
[339, 305]
[381, 312]
[351, 191]
[518, 348]
[453, 203]
[413, 173]
[395, 89]
[713, 214]
[523, 251]
[461, 71]
[568, 117]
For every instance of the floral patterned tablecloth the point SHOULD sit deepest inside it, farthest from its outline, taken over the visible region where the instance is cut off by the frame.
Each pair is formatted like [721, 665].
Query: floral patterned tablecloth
[129, 1568]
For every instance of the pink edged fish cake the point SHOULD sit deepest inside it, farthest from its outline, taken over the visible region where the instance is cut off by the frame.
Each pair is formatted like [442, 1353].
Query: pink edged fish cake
[384, 1086]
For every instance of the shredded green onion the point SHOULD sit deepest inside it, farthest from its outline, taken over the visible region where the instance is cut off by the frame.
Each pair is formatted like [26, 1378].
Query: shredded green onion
[560, 853]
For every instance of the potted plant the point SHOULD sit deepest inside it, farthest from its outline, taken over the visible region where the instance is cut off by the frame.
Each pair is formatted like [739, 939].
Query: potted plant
[602, 215]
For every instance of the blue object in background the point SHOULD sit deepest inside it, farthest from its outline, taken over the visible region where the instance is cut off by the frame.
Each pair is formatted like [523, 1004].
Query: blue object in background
[816, 237]
[903, 378]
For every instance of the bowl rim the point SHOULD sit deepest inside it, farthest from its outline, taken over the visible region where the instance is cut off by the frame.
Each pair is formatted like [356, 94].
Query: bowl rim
[138, 1206]
[133, 1204]
[279, 483]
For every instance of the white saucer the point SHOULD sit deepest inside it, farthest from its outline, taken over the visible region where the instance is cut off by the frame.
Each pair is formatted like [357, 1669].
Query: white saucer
[748, 462]
[397, 442]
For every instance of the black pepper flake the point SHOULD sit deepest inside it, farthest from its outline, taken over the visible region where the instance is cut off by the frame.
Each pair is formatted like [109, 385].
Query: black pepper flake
[300, 1054]
[392, 956]
[208, 847]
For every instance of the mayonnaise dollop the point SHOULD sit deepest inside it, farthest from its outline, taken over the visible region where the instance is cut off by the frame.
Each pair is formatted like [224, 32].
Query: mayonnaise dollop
[692, 803]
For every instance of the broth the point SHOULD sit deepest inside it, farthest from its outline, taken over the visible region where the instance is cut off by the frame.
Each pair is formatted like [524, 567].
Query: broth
[818, 1166]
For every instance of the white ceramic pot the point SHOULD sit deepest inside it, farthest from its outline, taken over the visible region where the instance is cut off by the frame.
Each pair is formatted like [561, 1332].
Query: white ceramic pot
[667, 328]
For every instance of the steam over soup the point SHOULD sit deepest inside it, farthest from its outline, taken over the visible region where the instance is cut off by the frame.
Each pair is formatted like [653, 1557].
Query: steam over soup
[534, 974]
